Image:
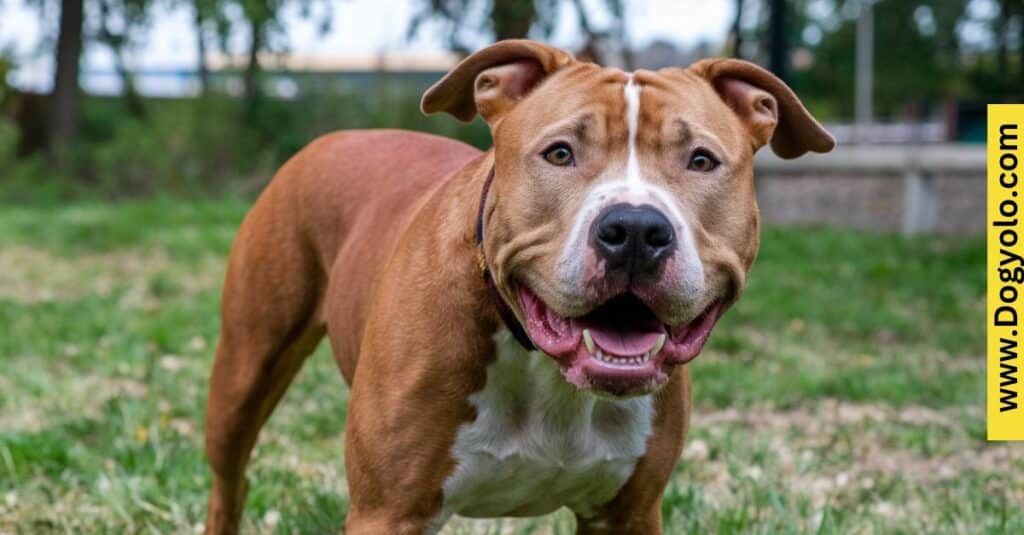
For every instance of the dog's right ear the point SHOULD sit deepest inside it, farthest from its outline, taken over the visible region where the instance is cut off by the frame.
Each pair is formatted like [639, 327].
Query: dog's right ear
[493, 80]
[768, 107]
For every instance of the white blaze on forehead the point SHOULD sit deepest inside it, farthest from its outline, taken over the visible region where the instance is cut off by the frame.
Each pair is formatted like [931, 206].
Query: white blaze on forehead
[630, 187]
[632, 92]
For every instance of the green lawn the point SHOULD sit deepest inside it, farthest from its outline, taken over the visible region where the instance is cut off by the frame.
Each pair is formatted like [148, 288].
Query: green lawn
[843, 394]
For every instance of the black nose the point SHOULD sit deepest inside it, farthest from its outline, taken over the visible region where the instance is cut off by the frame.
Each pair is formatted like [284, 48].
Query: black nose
[633, 239]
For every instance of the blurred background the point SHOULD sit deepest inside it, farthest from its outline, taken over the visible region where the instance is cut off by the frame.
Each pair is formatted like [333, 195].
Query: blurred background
[843, 394]
[121, 98]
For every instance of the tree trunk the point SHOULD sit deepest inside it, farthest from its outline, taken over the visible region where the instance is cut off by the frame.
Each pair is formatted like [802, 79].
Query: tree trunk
[737, 31]
[252, 70]
[1020, 46]
[628, 57]
[1001, 35]
[64, 107]
[203, 68]
[592, 38]
[512, 19]
[778, 47]
[132, 98]
[117, 41]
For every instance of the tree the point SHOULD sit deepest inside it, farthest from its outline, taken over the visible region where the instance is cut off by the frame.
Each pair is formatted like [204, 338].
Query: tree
[596, 40]
[1011, 15]
[918, 55]
[778, 39]
[65, 99]
[205, 12]
[262, 20]
[213, 28]
[510, 19]
[117, 21]
[736, 30]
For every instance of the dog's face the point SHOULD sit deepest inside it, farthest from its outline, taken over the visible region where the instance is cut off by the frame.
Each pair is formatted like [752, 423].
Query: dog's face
[622, 219]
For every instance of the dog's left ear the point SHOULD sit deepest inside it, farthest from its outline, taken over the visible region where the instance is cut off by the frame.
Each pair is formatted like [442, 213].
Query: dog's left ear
[769, 108]
[492, 80]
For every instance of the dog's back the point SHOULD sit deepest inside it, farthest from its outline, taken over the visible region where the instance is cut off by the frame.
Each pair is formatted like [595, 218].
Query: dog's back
[338, 207]
[346, 183]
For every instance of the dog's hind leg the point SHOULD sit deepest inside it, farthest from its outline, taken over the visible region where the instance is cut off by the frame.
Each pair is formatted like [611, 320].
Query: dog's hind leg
[270, 322]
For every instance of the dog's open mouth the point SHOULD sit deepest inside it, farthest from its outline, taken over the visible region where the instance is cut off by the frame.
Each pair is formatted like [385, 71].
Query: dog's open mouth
[620, 347]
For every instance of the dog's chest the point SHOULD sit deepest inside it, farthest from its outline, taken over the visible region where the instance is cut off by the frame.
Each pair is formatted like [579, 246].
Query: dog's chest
[538, 443]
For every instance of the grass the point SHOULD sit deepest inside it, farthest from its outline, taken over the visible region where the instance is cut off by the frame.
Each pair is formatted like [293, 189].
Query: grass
[843, 394]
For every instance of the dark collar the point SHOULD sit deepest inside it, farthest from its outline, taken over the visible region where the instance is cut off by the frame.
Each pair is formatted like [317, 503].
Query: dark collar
[504, 310]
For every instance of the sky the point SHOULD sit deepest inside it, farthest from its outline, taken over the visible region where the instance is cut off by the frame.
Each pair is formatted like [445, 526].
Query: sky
[358, 27]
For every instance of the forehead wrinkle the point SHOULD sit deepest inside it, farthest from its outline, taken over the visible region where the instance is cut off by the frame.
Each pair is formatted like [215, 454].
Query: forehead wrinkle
[682, 128]
[575, 125]
[689, 132]
[580, 126]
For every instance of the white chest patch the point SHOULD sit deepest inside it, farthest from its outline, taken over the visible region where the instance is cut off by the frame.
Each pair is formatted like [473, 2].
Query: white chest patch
[538, 443]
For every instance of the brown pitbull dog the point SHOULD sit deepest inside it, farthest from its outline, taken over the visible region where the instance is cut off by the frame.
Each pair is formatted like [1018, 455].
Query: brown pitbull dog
[514, 324]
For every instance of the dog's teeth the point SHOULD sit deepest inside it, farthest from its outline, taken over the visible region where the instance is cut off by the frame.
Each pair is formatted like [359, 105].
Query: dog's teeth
[659, 344]
[589, 341]
[642, 358]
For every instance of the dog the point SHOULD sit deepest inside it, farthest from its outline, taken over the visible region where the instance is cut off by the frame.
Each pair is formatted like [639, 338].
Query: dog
[515, 325]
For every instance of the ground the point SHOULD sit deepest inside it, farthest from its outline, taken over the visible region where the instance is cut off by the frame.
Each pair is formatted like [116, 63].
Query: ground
[843, 394]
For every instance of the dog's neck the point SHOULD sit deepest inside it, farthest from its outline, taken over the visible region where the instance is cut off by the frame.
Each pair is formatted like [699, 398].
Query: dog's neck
[500, 304]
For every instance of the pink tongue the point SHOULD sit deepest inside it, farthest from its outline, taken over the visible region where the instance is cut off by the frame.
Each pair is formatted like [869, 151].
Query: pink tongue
[624, 343]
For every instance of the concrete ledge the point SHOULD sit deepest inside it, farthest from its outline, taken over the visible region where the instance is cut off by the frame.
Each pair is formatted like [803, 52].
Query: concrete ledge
[937, 188]
[935, 158]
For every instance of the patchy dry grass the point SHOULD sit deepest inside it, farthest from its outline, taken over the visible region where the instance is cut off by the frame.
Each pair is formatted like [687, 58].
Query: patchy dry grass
[844, 394]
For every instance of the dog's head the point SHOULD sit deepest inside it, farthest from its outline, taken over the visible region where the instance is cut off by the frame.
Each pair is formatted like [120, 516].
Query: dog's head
[622, 220]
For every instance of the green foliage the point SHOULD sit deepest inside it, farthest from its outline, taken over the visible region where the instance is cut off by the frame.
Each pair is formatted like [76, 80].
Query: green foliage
[204, 146]
[26, 178]
[914, 62]
[926, 51]
[6, 66]
[174, 150]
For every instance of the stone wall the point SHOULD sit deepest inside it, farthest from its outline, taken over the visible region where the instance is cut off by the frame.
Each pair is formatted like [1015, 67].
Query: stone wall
[932, 189]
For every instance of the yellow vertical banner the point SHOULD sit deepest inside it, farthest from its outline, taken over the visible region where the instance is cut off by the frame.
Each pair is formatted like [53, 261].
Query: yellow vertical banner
[1005, 271]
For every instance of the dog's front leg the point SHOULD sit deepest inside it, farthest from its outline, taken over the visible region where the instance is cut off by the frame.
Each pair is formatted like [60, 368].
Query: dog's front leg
[409, 396]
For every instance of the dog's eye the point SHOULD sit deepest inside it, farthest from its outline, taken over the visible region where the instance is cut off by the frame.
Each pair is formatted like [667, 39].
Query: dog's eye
[702, 161]
[559, 154]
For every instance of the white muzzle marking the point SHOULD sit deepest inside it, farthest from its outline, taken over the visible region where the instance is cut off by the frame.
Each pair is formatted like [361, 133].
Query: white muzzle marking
[630, 187]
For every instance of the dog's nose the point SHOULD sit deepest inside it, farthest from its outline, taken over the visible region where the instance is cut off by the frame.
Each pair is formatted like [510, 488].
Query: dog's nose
[634, 239]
